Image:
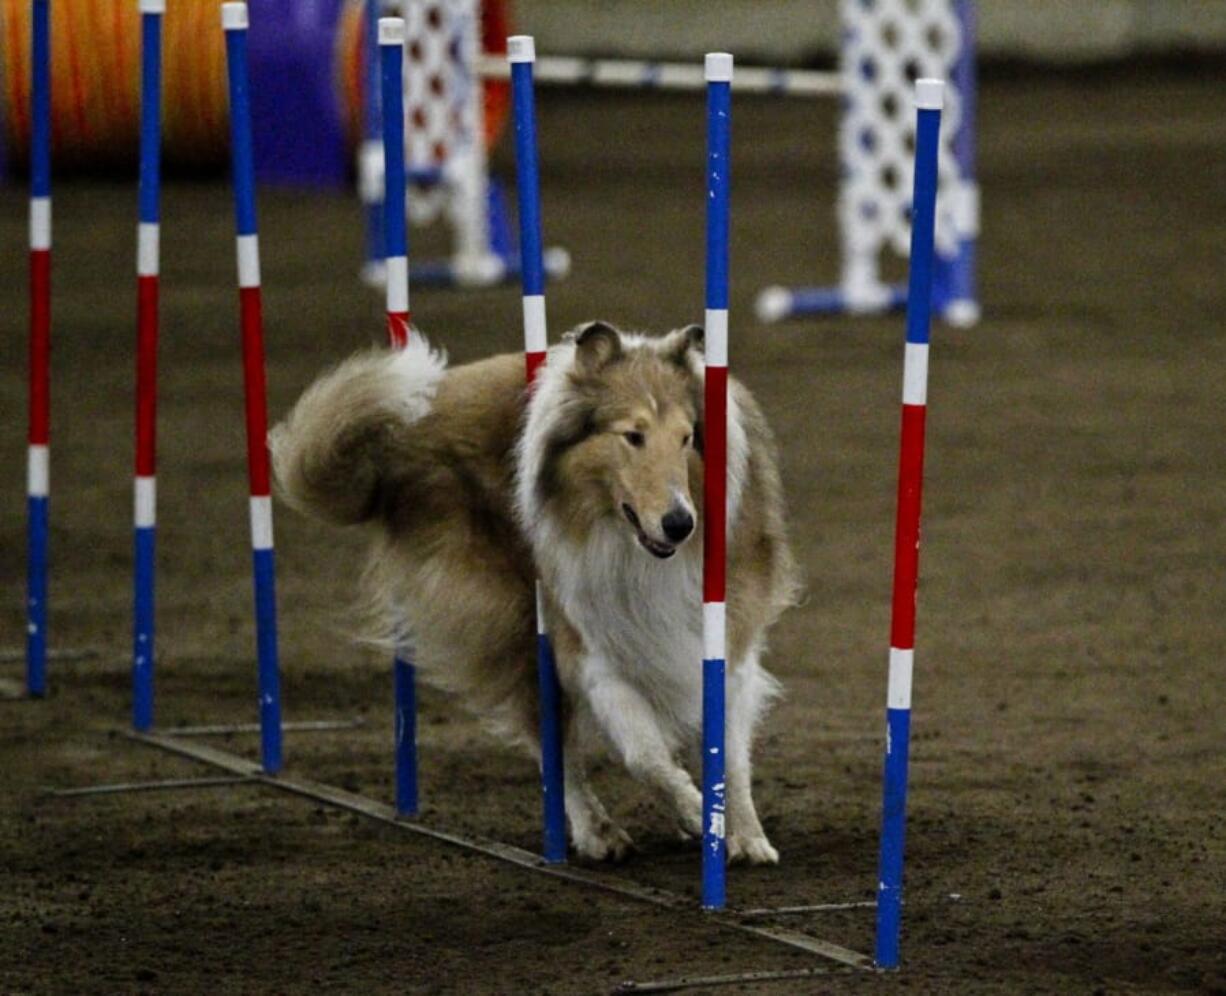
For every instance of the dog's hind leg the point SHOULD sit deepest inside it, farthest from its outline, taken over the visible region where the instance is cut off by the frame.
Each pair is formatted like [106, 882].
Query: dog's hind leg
[594, 833]
[750, 691]
[635, 730]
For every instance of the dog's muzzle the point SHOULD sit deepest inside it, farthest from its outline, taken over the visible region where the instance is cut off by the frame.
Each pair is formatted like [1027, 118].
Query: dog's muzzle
[653, 546]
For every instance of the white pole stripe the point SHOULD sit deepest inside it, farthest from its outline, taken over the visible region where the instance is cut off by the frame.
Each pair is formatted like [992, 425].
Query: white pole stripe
[540, 610]
[38, 472]
[148, 239]
[370, 172]
[153, 6]
[714, 631]
[397, 283]
[965, 203]
[391, 31]
[234, 16]
[929, 94]
[40, 222]
[146, 502]
[901, 662]
[521, 48]
[915, 374]
[261, 522]
[716, 337]
[536, 339]
[717, 67]
[249, 261]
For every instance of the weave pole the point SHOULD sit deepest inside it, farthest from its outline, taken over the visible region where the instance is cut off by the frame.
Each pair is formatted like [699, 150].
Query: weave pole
[718, 74]
[234, 24]
[38, 459]
[370, 151]
[147, 265]
[521, 54]
[396, 242]
[928, 101]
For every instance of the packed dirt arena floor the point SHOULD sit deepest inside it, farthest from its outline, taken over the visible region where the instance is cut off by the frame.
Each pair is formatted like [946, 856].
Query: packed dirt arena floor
[1067, 831]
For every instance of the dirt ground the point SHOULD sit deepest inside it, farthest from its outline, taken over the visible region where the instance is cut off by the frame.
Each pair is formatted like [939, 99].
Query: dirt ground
[1067, 831]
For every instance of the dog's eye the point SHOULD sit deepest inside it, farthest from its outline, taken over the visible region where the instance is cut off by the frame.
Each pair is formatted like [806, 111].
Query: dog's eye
[689, 438]
[635, 439]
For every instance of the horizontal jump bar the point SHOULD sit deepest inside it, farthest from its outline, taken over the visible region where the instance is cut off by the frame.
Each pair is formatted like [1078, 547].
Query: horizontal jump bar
[643, 75]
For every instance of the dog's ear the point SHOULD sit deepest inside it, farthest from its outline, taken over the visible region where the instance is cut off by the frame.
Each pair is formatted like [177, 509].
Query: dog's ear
[678, 343]
[597, 344]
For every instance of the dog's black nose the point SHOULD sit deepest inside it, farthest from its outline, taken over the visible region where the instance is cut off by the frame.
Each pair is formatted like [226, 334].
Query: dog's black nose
[678, 524]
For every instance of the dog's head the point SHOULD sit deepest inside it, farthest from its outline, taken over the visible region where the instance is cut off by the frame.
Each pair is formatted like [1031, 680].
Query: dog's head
[623, 437]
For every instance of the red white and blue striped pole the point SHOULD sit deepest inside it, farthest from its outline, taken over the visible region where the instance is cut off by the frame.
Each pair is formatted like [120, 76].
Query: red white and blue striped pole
[928, 101]
[147, 240]
[718, 74]
[396, 242]
[234, 23]
[521, 54]
[370, 151]
[38, 467]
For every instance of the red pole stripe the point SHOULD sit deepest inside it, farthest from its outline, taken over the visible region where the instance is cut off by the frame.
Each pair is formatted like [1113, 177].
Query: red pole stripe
[907, 529]
[40, 347]
[398, 328]
[715, 504]
[255, 390]
[146, 375]
[533, 363]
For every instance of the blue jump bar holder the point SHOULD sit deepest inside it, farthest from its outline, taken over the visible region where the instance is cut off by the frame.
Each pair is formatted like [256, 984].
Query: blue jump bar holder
[521, 52]
[898, 720]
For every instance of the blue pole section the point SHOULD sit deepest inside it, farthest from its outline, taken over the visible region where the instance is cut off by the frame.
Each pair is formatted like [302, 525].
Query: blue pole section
[37, 516]
[40, 99]
[405, 690]
[371, 153]
[145, 543]
[898, 711]
[521, 52]
[531, 253]
[38, 490]
[718, 74]
[390, 40]
[234, 23]
[961, 292]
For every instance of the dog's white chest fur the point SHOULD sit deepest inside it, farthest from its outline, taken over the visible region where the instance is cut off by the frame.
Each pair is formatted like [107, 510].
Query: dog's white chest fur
[637, 615]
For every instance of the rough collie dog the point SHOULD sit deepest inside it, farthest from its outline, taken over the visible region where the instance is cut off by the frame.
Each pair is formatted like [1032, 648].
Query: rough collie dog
[593, 483]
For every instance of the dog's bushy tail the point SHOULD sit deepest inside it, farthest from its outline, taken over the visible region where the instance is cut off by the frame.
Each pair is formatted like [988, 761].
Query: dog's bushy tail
[331, 453]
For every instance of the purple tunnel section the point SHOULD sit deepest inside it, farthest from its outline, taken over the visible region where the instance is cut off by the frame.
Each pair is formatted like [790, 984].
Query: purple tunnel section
[296, 114]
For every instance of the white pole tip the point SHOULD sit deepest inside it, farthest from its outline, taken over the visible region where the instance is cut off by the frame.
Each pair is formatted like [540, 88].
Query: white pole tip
[718, 67]
[153, 6]
[234, 16]
[391, 31]
[929, 94]
[521, 48]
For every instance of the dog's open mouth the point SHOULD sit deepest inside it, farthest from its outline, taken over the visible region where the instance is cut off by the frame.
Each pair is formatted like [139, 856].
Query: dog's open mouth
[655, 547]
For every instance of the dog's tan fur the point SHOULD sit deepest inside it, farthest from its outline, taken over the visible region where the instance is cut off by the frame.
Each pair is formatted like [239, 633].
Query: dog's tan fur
[471, 500]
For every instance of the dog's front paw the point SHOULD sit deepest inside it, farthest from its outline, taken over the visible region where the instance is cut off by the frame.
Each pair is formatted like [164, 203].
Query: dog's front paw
[606, 842]
[753, 850]
[689, 814]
